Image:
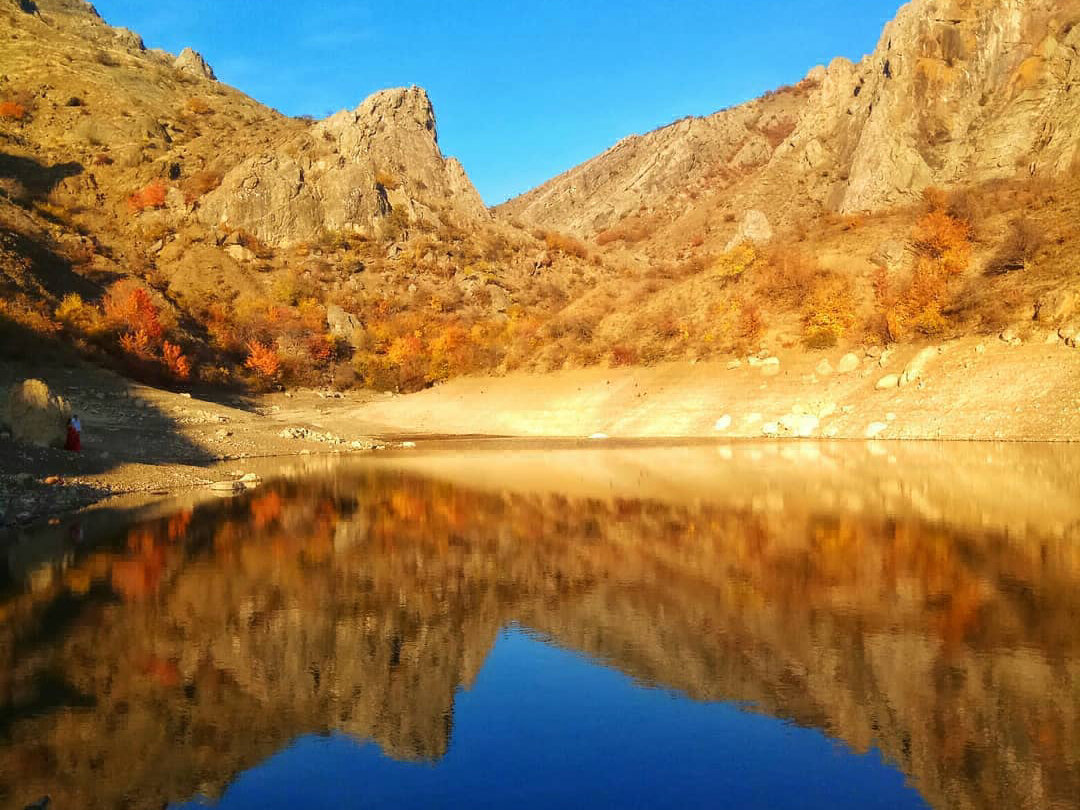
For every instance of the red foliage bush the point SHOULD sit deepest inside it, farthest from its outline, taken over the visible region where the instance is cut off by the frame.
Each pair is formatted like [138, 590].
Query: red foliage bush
[177, 364]
[13, 110]
[132, 308]
[263, 360]
[623, 356]
[151, 196]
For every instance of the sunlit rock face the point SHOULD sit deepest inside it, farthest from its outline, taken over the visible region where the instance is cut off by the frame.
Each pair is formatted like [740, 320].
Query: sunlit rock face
[955, 92]
[192, 647]
[350, 172]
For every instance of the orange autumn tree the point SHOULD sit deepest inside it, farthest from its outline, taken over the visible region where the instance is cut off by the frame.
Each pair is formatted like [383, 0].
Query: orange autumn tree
[943, 245]
[13, 110]
[132, 309]
[263, 360]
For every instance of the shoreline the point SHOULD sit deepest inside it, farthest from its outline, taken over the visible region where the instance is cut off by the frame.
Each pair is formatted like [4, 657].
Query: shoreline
[140, 439]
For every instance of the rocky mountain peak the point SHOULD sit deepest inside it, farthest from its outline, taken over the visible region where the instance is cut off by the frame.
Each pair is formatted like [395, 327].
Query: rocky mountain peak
[350, 172]
[191, 61]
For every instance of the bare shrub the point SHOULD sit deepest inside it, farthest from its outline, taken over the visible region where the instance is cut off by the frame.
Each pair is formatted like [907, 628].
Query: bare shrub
[1019, 248]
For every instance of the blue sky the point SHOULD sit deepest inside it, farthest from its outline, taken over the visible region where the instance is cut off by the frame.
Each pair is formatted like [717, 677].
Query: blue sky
[522, 90]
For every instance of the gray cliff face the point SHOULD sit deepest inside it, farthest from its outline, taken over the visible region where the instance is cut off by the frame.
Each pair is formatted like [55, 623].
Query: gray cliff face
[959, 92]
[350, 172]
[956, 92]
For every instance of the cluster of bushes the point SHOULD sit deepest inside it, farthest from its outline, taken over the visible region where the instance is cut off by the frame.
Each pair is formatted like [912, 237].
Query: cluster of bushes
[631, 230]
[128, 322]
[563, 243]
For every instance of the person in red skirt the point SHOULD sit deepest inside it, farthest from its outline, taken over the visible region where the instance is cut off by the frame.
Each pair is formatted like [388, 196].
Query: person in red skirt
[74, 435]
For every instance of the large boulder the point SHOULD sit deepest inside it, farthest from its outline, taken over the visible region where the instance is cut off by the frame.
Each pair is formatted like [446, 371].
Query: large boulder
[342, 324]
[754, 228]
[35, 415]
[916, 368]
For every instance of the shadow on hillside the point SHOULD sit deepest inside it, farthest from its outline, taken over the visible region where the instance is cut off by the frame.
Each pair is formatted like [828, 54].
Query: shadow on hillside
[49, 270]
[38, 180]
[117, 428]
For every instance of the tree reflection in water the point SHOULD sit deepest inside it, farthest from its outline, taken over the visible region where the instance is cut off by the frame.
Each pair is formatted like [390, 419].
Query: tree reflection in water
[161, 665]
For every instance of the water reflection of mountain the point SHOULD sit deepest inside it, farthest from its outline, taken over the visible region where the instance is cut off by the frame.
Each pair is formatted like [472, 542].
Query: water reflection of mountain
[200, 644]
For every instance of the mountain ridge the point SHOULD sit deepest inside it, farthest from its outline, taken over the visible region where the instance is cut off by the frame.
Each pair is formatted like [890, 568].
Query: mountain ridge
[876, 133]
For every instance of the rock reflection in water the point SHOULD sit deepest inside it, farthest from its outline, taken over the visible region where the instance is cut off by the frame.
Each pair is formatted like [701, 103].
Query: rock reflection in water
[161, 665]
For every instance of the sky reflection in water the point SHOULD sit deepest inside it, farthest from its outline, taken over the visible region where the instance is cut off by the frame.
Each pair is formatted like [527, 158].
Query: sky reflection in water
[544, 727]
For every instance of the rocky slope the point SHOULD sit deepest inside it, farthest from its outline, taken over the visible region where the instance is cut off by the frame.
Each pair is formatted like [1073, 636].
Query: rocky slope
[89, 89]
[956, 92]
[120, 164]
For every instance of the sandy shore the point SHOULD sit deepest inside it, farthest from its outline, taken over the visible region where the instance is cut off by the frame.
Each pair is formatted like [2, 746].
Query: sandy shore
[148, 441]
[967, 389]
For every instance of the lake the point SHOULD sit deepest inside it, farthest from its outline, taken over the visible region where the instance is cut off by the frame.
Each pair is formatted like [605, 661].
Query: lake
[520, 624]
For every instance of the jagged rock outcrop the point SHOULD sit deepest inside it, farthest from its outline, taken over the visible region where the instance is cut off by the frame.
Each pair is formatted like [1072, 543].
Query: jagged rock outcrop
[376, 167]
[191, 61]
[956, 92]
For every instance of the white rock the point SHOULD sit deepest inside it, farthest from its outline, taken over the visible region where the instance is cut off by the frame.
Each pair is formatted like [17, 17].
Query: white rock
[734, 364]
[888, 381]
[848, 363]
[771, 429]
[240, 253]
[595, 436]
[914, 370]
[723, 423]
[824, 368]
[754, 228]
[875, 429]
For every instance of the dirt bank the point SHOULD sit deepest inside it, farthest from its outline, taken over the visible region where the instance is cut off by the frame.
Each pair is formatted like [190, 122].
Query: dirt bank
[967, 389]
[139, 439]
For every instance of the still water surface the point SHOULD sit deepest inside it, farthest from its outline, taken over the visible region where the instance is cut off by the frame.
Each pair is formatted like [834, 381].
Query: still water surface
[750, 626]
